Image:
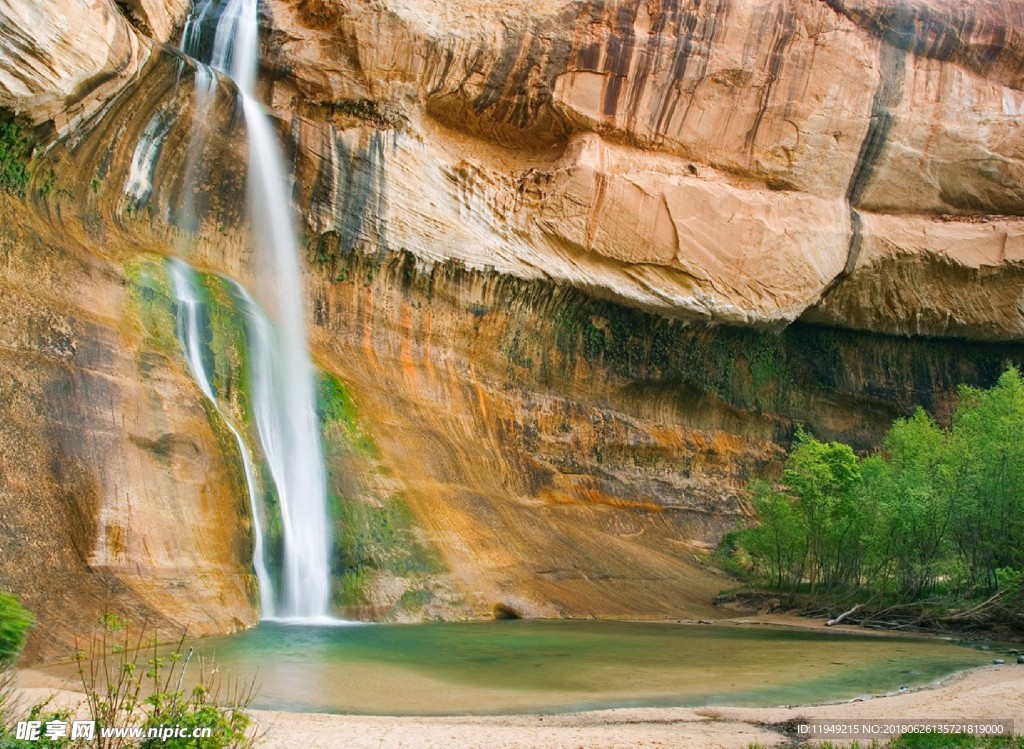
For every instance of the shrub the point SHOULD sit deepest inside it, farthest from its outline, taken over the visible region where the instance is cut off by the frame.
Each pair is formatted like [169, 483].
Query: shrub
[129, 681]
[14, 624]
[15, 149]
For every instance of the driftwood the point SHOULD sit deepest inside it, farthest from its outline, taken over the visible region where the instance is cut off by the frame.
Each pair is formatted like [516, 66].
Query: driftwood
[1002, 612]
[838, 619]
[979, 609]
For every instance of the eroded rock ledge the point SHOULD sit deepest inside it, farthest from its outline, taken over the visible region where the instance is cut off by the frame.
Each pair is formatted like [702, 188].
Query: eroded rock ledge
[734, 161]
[741, 162]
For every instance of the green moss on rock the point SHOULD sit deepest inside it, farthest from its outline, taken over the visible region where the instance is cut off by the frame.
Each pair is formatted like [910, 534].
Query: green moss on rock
[375, 531]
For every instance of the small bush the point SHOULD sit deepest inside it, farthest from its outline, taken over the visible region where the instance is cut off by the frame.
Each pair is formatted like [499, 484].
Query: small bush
[127, 681]
[15, 150]
[14, 624]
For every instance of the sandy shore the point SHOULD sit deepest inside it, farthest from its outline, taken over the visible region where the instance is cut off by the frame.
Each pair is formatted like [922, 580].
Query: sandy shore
[992, 692]
[995, 692]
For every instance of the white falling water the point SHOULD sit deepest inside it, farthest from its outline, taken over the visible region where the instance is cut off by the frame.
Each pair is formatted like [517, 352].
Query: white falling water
[185, 284]
[288, 444]
[282, 374]
[205, 88]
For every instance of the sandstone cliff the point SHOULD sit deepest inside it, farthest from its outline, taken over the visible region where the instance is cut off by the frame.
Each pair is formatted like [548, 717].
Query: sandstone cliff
[731, 161]
[584, 266]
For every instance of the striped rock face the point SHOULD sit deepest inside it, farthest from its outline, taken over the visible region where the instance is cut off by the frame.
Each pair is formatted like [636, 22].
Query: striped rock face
[857, 164]
[749, 162]
[584, 266]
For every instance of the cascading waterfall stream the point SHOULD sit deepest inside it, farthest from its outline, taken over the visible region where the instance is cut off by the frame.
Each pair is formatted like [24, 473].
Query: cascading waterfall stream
[282, 376]
[185, 284]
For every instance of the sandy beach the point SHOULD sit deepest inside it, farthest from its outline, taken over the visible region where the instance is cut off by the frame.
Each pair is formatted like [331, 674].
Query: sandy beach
[995, 692]
[989, 693]
[992, 692]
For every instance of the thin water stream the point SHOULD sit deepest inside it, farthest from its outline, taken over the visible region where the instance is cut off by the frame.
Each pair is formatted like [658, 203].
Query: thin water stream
[186, 287]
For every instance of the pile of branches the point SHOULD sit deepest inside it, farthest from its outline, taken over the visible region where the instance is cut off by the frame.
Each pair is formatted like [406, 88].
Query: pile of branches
[1003, 611]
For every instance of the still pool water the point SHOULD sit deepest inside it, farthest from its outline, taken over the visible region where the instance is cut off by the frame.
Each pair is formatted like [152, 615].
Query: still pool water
[549, 666]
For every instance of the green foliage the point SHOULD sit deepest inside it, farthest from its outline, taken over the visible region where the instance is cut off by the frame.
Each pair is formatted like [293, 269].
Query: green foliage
[191, 710]
[935, 513]
[38, 712]
[955, 741]
[226, 348]
[152, 303]
[930, 741]
[811, 526]
[778, 546]
[350, 587]
[987, 519]
[15, 151]
[131, 681]
[415, 599]
[48, 184]
[368, 538]
[14, 624]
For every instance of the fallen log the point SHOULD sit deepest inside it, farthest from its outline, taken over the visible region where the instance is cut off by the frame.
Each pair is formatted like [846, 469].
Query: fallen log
[838, 619]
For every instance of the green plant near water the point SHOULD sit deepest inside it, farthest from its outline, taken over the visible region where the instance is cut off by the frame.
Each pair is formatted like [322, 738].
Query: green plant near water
[935, 516]
[15, 151]
[130, 681]
[371, 538]
[14, 625]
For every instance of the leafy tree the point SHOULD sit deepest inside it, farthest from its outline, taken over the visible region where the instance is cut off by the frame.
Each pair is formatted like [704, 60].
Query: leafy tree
[823, 480]
[935, 512]
[778, 545]
[911, 487]
[810, 525]
[988, 460]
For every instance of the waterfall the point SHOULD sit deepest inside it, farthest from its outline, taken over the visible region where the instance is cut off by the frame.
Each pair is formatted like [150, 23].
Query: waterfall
[226, 35]
[185, 284]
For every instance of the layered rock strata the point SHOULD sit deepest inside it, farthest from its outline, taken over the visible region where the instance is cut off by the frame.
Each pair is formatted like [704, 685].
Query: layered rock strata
[585, 267]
